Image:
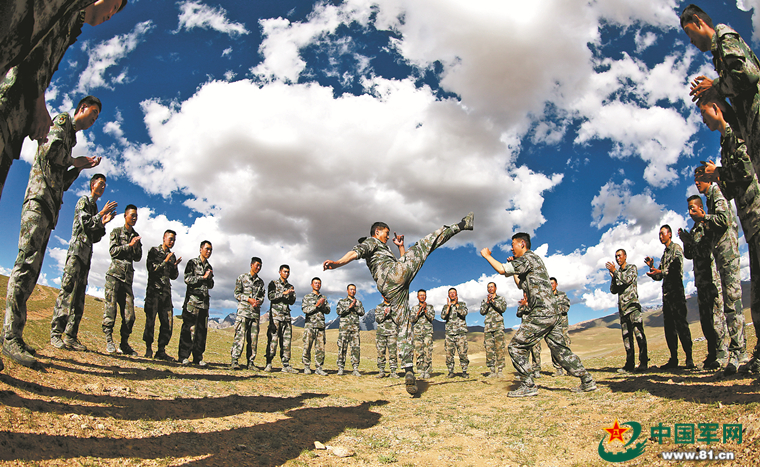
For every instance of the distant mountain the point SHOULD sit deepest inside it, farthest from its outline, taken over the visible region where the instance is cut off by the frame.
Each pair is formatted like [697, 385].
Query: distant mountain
[226, 322]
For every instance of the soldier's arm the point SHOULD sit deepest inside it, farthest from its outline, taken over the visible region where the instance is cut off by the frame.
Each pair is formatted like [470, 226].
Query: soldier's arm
[309, 305]
[326, 307]
[342, 308]
[499, 304]
[259, 287]
[359, 308]
[115, 247]
[137, 251]
[445, 312]
[291, 297]
[462, 310]
[173, 270]
[155, 261]
[210, 280]
[721, 218]
[273, 293]
[239, 296]
[91, 225]
[742, 75]
[430, 312]
[191, 278]
[70, 177]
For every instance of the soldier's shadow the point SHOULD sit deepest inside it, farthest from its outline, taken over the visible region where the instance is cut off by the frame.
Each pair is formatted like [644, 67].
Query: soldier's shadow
[272, 443]
[697, 387]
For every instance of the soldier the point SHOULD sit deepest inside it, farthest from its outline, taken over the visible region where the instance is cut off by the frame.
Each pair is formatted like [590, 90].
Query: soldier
[673, 298]
[535, 351]
[455, 315]
[33, 39]
[199, 277]
[624, 284]
[737, 181]
[162, 270]
[393, 276]
[125, 248]
[698, 247]
[249, 292]
[281, 295]
[562, 304]
[422, 317]
[738, 69]
[89, 227]
[314, 306]
[349, 309]
[493, 308]
[541, 320]
[53, 172]
[386, 339]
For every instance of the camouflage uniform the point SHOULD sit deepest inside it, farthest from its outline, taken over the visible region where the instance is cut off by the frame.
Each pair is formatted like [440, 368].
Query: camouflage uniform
[192, 336]
[88, 228]
[158, 296]
[314, 329]
[738, 182]
[386, 337]
[624, 284]
[51, 175]
[493, 332]
[423, 337]
[562, 304]
[119, 282]
[535, 351]
[456, 335]
[247, 318]
[29, 73]
[725, 250]
[698, 247]
[349, 331]
[540, 322]
[279, 328]
[393, 277]
[674, 301]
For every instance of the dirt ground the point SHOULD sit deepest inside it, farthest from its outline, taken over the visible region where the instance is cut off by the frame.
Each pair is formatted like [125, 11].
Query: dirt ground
[89, 408]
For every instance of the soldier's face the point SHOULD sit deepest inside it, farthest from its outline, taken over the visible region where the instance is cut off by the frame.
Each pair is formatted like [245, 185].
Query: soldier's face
[710, 115]
[620, 258]
[101, 11]
[518, 247]
[206, 250]
[169, 239]
[284, 273]
[699, 36]
[491, 288]
[694, 209]
[130, 218]
[255, 268]
[316, 284]
[701, 187]
[554, 285]
[382, 234]
[421, 296]
[86, 116]
[98, 187]
[453, 295]
[665, 236]
[351, 291]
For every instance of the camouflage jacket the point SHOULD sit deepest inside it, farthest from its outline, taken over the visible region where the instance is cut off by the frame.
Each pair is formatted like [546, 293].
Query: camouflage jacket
[697, 246]
[738, 182]
[384, 320]
[88, 229]
[51, 176]
[455, 317]
[720, 219]
[349, 317]
[378, 257]
[122, 255]
[671, 267]
[160, 272]
[738, 75]
[522, 310]
[279, 304]
[494, 313]
[27, 25]
[561, 302]
[198, 287]
[624, 284]
[534, 282]
[423, 321]
[315, 315]
[248, 286]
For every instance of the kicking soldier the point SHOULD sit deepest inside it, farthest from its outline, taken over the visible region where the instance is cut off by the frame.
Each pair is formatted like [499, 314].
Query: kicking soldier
[349, 309]
[314, 306]
[393, 276]
[423, 315]
[455, 315]
[493, 308]
[162, 270]
[281, 295]
[89, 227]
[249, 292]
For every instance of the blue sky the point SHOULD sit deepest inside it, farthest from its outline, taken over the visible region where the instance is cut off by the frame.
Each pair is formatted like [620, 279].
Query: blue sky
[283, 129]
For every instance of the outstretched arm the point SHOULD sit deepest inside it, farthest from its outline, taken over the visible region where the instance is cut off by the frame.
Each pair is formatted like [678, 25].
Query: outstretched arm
[347, 258]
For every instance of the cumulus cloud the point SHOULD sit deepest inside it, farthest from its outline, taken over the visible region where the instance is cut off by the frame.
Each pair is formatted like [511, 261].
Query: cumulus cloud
[194, 14]
[644, 41]
[747, 5]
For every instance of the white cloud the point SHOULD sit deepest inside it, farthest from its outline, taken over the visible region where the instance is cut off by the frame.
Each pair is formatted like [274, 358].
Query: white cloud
[107, 54]
[644, 41]
[194, 14]
[746, 5]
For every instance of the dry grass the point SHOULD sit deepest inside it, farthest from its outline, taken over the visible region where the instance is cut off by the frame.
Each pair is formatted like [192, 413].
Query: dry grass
[94, 409]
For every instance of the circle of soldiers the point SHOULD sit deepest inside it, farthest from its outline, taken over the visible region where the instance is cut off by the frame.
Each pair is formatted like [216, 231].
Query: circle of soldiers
[30, 55]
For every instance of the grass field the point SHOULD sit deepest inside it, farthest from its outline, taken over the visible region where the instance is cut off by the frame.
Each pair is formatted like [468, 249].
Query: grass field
[94, 409]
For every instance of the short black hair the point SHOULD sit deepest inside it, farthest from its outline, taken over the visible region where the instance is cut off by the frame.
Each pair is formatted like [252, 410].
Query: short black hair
[284, 266]
[88, 101]
[554, 279]
[349, 285]
[620, 249]
[315, 278]
[130, 206]
[667, 227]
[422, 290]
[123, 4]
[170, 231]
[377, 225]
[524, 237]
[695, 198]
[454, 289]
[206, 241]
[687, 16]
[255, 259]
[95, 178]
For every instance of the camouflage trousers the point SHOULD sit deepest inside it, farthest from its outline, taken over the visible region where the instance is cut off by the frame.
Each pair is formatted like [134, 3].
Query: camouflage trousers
[387, 342]
[754, 272]
[15, 119]
[279, 332]
[246, 335]
[565, 325]
[731, 286]
[69, 306]
[158, 304]
[456, 343]
[348, 338]
[632, 328]
[317, 338]
[423, 345]
[192, 335]
[713, 321]
[393, 285]
[532, 330]
[494, 343]
[675, 323]
[535, 356]
[119, 295]
[36, 225]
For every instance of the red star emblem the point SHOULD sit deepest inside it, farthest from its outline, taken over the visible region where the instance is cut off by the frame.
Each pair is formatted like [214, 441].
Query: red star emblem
[616, 432]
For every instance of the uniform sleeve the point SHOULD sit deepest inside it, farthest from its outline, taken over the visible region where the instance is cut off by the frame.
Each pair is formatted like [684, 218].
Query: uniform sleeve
[364, 249]
[272, 293]
[741, 76]
[260, 294]
[720, 220]
[137, 250]
[342, 307]
[115, 247]
[563, 302]
[173, 270]
[239, 296]
[210, 280]
[430, 313]
[462, 310]
[308, 304]
[484, 306]
[91, 225]
[379, 316]
[191, 278]
[359, 308]
[445, 312]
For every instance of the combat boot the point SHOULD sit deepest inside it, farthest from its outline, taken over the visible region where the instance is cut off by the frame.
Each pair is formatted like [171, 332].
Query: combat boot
[110, 345]
[690, 364]
[148, 351]
[268, 368]
[559, 372]
[394, 373]
[288, 369]
[411, 383]
[468, 222]
[587, 385]
[28, 348]
[307, 370]
[524, 391]
[451, 373]
[356, 372]
[126, 349]
[380, 374]
[320, 371]
[234, 365]
[251, 366]
[499, 374]
[537, 374]
[671, 364]
[12, 348]
[465, 374]
[340, 371]
[752, 366]
[74, 344]
[731, 366]
[56, 342]
[162, 355]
